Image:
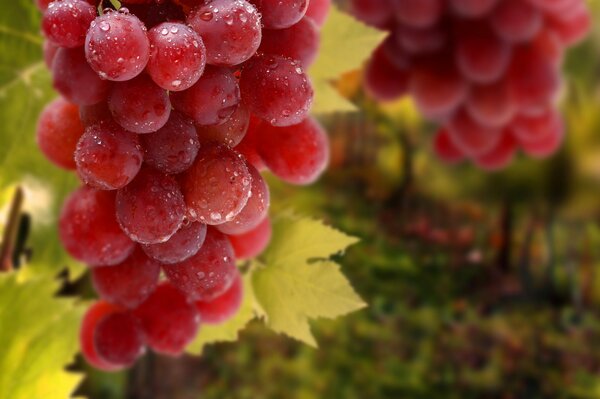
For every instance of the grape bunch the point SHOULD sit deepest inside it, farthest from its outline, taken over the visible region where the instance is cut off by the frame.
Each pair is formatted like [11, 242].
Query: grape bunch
[169, 112]
[486, 71]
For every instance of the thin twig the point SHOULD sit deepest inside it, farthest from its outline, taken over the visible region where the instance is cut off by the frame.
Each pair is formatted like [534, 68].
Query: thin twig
[10, 231]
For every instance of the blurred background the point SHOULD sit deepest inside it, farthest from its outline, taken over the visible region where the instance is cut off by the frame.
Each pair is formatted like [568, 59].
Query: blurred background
[480, 285]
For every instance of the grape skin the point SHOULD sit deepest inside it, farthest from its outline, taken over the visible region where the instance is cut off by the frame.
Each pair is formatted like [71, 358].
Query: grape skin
[118, 339]
[225, 306]
[299, 42]
[252, 243]
[280, 14]
[66, 22]
[181, 246]
[96, 313]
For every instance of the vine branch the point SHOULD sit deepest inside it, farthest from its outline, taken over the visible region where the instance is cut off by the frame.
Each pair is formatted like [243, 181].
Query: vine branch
[10, 231]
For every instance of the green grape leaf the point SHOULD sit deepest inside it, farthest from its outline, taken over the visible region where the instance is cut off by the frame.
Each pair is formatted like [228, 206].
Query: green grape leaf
[297, 282]
[228, 331]
[25, 87]
[38, 337]
[345, 45]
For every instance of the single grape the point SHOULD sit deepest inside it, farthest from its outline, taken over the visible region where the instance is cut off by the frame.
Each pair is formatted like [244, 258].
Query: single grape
[253, 243]
[491, 105]
[75, 80]
[384, 81]
[516, 21]
[276, 89]
[151, 208]
[119, 339]
[116, 46]
[445, 149]
[91, 114]
[108, 157]
[156, 13]
[230, 133]
[96, 313]
[177, 56]
[377, 13]
[535, 129]
[418, 13]
[58, 131]
[89, 230]
[296, 154]
[471, 138]
[419, 41]
[248, 146]
[217, 186]
[66, 22]
[548, 43]
[255, 210]
[181, 246]
[318, 10]
[279, 14]
[472, 8]
[299, 42]
[545, 145]
[231, 30]
[212, 100]
[139, 105]
[50, 50]
[173, 148]
[168, 320]
[209, 273]
[574, 26]
[130, 282]
[500, 156]
[225, 306]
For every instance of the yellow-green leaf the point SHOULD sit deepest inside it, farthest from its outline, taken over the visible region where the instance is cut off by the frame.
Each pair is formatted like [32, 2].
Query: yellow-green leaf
[296, 283]
[38, 338]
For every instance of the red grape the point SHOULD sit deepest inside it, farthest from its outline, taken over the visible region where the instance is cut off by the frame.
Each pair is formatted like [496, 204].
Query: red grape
[58, 131]
[377, 13]
[66, 22]
[298, 42]
[174, 147]
[231, 30]
[209, 273]
[169, 322]
[418, 13]
[255, 210]
[177, 56]
[500, 156]
[223, 307]
[181, 246]
[534, 129]
[492, 105]
[130, 282]
[139, 105]
[296, 154]
[383, 80]
[156, 13]
[107, 156]
[418, 41]
[445, 149]
[229, 133]
[151, 208]
[471, 138]
[91, 114]
[217, 186]
[96, 313]
[89, 230]
[276, 89]
[119, 339]
[116, 46]
[212, 100]
[516, 20]
[573, 27]
[248, 146]
[279, 14]
[545, 145]
[472, 8]
[75, 80]
[318, 10]
[253, 243]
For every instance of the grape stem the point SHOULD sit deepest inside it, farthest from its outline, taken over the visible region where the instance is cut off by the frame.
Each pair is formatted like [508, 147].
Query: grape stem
[10, 231]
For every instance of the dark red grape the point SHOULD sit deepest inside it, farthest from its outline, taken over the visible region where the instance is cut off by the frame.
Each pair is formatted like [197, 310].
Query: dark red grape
[58, 131]
[318, 10]
[516, 20]
[156, 13]
[151, 208]
[298, 42]
[116, 46]
[471, 138]
[66, 22]
[500, 156]
[181, 246]
[445, 149]
[418, 13]
[130, 282]
[108, 157]
[89, 230]
[96, 313]
[276, 89]
[118, 339]
[384, 81]
[177, 56]
[279, 14]
[225, 306]
[472, 8]
[492, 105]
[91, 114]
[418, 41]
[248, 146]
[377, 13]
[229, 133]
[253, 243]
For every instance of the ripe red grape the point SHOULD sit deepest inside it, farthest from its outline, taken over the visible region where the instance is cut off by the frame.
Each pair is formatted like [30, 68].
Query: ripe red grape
[231, 30]
[491, 105]
[96, 313]
[58, 131]
[108, 157]
[500, 156]
[279, 14]
[209, 273]
[91, 114]
[89, 230]
[533, 129]
[118, 339]
[229, 133]
[181, 246]
[177, 56]
[296, 154]
[255, 210]
[156, 13]
[151, 208]
[66, 22]
[418, 13]
[276, 89]
[471, 138]
[318, 10]
[212, 100]
[217, 186]
[116, 46]
[384, 81]
[574, 26]
[445, 149]
[545, 145]
[377, 13]
[223, 307]
[248, 146]
[168, 320]
[472, 8]
[174, 147]
[516, 20]
[75, 80]
[417, 41]
[298, 42]
[130, 282]
[253, 243]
